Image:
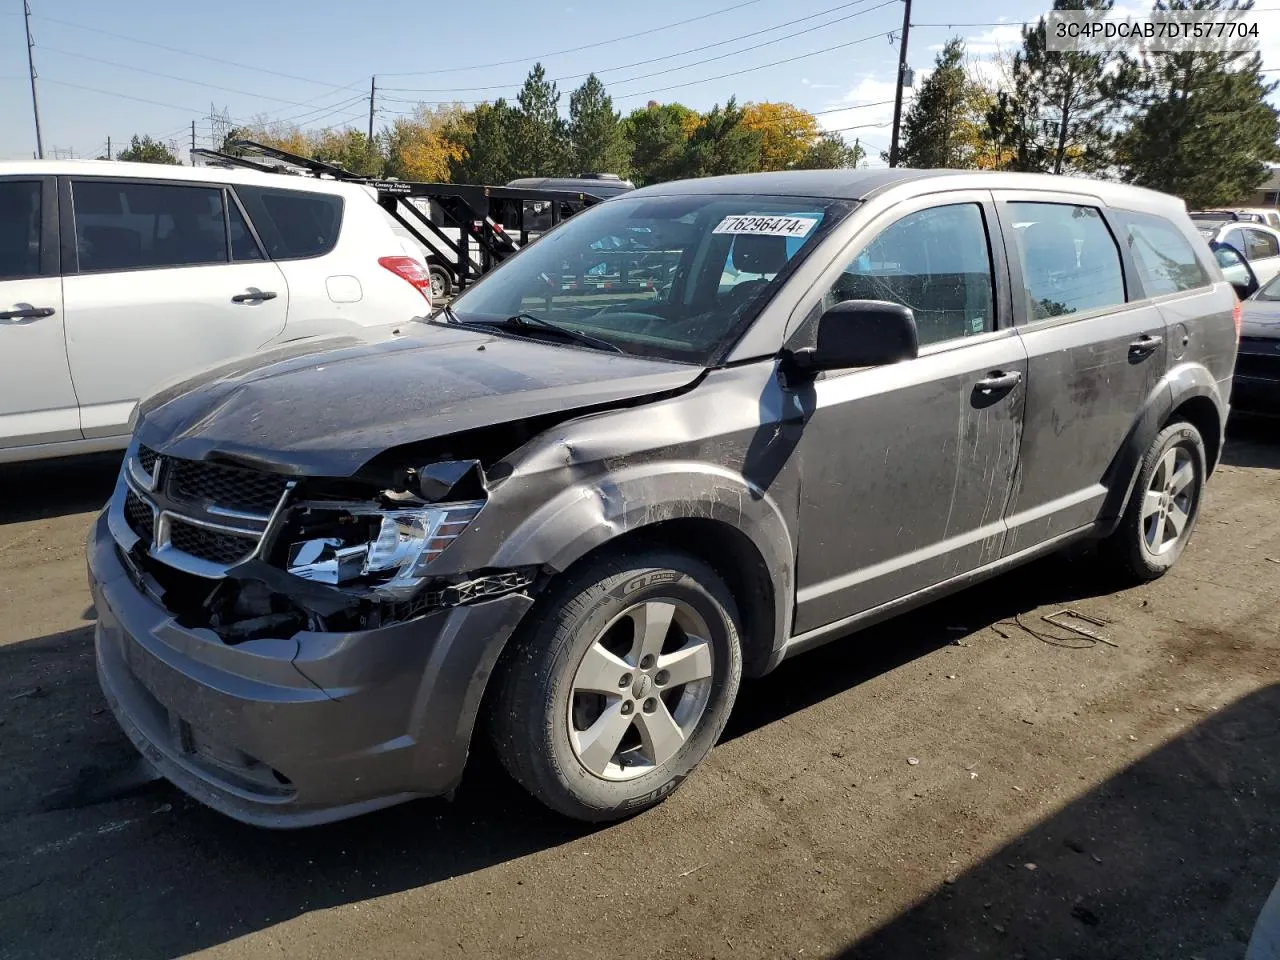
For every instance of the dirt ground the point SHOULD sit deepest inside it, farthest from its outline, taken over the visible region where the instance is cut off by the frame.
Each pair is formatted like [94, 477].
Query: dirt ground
[963, 782]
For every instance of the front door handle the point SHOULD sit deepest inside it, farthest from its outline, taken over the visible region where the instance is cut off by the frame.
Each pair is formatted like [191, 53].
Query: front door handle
[27, 313]
[998, 381]
[254, 297]
[1145, 345]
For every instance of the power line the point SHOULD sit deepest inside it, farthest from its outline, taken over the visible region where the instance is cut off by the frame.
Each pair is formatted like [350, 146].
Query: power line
[185, 53]
[759, 66]
[586, 46]
[672, 56]
[170, 76]
[734, 53]
[125, 96]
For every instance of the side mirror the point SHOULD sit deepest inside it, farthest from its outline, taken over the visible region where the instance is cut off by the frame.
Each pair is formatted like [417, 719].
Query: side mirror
[1235, 269]
[861, 333]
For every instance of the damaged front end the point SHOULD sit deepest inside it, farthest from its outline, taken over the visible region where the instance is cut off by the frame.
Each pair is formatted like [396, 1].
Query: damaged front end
[250, 555]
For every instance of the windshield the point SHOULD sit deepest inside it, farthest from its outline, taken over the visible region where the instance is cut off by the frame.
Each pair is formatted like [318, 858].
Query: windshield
[677, 278]
[1270, 290]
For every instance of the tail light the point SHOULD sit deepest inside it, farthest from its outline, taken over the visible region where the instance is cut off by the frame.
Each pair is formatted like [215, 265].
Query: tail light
[411, 271]
[1237, 314]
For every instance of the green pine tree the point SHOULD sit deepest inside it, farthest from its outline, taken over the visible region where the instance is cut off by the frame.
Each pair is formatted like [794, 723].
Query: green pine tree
[941, 128]
[720, 144]
[146, 150]
[830, 152]
[1057, 116]
[538, 143]
[596, 134]
[488, 145]
[657, 135]
[1202, 128]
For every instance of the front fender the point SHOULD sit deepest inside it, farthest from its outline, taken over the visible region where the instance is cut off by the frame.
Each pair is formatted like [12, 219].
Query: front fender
[593, 511]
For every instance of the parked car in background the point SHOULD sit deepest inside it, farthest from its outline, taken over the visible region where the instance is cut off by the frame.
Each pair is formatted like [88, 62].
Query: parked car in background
[1268, 216]
[858, 391]
[1260, 244]
[117, 277]
[1256, 384]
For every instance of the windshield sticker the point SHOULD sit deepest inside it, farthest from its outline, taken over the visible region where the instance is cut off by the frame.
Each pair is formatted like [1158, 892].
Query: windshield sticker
[767, 226]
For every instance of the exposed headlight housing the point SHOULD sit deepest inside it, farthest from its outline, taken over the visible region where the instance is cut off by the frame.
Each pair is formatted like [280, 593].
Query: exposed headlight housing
[387, 550]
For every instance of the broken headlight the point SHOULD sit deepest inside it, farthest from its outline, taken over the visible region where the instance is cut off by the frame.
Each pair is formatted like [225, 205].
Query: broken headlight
[387, 550]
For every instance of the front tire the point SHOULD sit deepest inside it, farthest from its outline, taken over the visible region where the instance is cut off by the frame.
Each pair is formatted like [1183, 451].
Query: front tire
[1164, 506]
[621, 686]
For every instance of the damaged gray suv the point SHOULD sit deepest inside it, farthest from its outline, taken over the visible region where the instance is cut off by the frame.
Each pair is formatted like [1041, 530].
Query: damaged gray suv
[689, 433]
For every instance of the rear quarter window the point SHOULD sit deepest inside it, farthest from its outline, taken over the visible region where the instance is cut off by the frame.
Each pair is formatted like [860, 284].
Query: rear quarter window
[1165, 259]
[293, 224]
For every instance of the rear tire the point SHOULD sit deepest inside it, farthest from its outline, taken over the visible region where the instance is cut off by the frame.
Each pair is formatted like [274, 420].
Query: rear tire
[1163, 508]
[621, 686]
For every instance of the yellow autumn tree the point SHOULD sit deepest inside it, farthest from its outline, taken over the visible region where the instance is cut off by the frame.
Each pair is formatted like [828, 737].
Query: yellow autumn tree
[786, 133]
[421, 146]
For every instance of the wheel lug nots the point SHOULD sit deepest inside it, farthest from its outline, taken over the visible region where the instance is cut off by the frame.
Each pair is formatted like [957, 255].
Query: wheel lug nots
[627, 707]
[650, 705]
[624, 680]
[661, 678]
[646, 661]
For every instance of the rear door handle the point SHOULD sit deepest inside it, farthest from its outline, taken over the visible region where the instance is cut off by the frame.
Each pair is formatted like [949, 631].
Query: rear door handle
[27, 313]
[1145, 345]
[998, 381]
[253, 297]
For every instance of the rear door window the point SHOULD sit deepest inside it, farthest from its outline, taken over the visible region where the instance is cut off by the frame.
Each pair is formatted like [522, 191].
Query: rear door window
[293, 224]
[1259, 245]
[19, 229]
[123, 225]
[1165, 259]
[1070, 261]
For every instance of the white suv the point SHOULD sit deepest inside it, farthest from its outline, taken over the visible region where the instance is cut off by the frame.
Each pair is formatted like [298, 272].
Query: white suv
[117, 277]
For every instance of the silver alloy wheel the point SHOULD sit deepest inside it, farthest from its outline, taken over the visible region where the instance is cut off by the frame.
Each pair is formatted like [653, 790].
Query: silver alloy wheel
[641, 689]
[1168, 502]
[437, 286]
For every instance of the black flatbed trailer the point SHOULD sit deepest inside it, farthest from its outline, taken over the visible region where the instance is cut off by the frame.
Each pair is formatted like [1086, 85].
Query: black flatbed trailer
[488, 223]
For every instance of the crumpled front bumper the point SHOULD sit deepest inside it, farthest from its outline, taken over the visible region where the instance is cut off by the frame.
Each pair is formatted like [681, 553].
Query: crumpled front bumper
[295, 731]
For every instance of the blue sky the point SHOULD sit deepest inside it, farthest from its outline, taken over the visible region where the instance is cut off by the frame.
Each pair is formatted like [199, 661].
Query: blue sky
[313, 61]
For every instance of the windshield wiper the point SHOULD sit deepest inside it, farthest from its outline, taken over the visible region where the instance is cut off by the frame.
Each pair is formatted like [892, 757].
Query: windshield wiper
[524, 321]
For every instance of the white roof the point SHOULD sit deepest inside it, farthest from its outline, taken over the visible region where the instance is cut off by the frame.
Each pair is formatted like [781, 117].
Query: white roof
[165, 171]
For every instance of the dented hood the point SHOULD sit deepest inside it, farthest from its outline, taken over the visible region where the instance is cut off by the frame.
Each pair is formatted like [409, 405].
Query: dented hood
[325, 407]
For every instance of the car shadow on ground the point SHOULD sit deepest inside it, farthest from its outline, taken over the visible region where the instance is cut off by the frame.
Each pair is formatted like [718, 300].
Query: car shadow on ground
[43, 489]
[72, 779]
[1100, 879]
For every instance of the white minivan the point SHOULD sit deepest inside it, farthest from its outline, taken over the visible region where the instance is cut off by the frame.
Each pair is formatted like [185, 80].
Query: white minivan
[117, 277]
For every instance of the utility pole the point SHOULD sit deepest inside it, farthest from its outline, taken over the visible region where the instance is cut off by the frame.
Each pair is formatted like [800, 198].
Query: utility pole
[193, 136]
[902, 75]
[108, 148]
[373, 92]
[31, 65]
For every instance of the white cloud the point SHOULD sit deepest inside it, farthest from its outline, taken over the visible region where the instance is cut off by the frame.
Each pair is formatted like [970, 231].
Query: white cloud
[994, 40]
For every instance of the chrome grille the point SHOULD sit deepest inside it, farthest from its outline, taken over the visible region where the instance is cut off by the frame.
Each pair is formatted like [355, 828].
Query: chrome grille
[215, 546]
[198, 517]
[227, 487]
[139, 517]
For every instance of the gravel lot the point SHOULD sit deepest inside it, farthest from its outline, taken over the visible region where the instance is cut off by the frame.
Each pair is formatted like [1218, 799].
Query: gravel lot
[963, 782]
